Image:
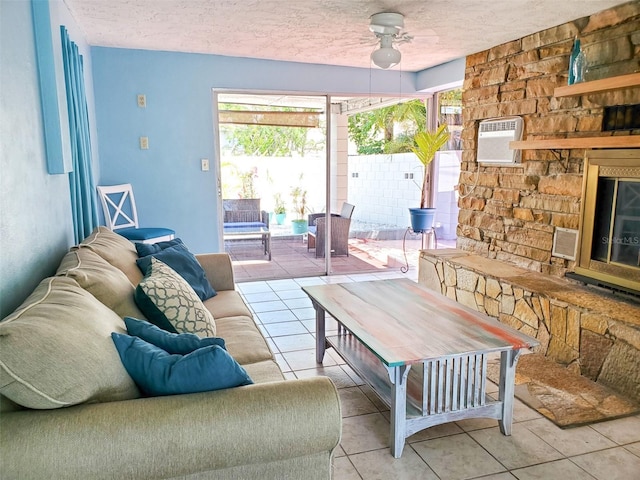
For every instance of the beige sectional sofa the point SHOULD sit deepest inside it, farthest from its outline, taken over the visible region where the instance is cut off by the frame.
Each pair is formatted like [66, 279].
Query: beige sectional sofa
[70, 410]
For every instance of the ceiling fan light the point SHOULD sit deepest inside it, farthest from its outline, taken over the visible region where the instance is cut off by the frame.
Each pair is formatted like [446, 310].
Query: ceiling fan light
[386, 57]
[386, 23]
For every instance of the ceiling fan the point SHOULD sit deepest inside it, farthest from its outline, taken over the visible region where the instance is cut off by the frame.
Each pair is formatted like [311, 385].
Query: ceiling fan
[387, 27]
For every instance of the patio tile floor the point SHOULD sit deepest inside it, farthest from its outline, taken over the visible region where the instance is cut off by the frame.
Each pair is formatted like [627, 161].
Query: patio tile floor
[470, 449]
[290, 258]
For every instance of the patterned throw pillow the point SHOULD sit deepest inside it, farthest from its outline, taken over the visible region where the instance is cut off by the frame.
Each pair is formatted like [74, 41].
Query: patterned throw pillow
[167, 300]
[183, 262]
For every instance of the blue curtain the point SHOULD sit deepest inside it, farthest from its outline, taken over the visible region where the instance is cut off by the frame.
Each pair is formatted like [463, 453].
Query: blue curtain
[84, 204]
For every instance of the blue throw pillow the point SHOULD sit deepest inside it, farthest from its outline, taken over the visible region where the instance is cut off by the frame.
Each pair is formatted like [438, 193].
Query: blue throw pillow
[157, 372]
[145, 249]
[180, 259]
[180, 343]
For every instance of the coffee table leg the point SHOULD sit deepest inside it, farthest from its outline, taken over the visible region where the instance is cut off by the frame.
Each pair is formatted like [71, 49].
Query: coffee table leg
[398, 376]
[320, 333]
[508, 361]
[268, 245]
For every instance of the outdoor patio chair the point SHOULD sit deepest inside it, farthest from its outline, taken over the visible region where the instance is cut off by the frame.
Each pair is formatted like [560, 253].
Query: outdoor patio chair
[340, 225]
[121, 216]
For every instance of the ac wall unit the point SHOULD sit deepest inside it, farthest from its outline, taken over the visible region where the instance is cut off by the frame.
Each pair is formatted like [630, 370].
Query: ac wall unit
[494, 136]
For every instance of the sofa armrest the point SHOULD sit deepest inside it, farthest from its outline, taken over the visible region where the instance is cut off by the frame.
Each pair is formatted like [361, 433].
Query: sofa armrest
[264, 217]
[175, 435]
[219, 270]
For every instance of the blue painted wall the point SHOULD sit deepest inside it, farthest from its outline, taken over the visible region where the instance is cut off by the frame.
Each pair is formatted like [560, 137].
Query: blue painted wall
[35, 210]
[169, 187]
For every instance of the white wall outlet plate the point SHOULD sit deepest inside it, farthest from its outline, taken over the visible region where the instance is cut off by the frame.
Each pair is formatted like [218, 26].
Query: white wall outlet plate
[144, 143]
[142, 100]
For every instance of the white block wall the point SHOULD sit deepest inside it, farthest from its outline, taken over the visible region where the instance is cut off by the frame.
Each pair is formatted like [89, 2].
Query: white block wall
[382, 194]
[375, 184]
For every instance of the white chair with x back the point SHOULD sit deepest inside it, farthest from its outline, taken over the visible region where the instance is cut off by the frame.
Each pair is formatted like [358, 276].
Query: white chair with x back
[121, 216]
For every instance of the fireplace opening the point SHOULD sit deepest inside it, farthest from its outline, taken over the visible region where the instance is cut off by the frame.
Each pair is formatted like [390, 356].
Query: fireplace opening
[609, 250]
[617, 222]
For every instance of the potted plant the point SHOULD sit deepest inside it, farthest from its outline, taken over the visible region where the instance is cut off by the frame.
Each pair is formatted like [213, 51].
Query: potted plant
[426, 145]
[280, 211]
[299, 199]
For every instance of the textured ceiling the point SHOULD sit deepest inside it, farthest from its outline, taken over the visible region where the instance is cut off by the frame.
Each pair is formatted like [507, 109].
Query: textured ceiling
[334, 32]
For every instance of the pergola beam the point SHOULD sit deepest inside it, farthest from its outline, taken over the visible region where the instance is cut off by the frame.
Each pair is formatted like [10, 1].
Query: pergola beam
[272, 118]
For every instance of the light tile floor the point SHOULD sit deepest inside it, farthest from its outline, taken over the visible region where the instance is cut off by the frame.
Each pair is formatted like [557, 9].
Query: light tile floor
[469, 449]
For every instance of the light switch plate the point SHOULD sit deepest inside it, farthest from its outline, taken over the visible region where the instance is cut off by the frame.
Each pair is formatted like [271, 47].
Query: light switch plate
[204, 164]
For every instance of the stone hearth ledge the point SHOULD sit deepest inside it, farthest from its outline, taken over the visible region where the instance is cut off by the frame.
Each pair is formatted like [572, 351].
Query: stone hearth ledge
[594, 334]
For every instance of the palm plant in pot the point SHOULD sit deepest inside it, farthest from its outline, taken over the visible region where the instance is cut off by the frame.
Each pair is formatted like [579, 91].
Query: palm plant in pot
[299, 200]
[279, 210]
[426, 145]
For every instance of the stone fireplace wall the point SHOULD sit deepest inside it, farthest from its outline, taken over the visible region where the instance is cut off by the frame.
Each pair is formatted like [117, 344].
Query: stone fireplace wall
[511, 213]
[503, 264]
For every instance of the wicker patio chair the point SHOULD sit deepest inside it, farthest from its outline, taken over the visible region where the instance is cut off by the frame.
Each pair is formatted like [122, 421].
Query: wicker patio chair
[340, 225]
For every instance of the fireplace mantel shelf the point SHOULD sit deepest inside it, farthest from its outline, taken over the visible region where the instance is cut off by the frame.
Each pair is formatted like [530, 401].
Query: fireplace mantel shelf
[631, 80]
[597, 86]
[618, 141]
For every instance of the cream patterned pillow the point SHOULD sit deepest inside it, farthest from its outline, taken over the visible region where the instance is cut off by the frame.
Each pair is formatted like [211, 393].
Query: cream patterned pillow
[168, 300]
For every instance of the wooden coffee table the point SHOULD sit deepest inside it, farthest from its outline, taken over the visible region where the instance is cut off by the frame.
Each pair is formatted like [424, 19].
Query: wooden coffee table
[386, 327]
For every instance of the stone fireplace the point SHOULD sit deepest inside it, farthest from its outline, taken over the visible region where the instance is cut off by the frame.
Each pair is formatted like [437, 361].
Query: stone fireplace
[505, 263]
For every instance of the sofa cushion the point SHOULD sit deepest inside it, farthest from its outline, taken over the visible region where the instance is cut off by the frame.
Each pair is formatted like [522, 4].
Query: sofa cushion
[168, 300]
[180, 259]
[243, 339]
[116, 250]
[265, 371]
[56, 349]
[180, 343]
[159, 373]
[227, 303]
[101, 279]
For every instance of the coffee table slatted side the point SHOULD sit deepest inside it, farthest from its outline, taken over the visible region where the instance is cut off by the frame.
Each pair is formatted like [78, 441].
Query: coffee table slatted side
[446, 395]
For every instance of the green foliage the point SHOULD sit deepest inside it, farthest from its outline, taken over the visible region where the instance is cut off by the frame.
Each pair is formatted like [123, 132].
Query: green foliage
[372, 131]
[401, 144]
[247, 187]
[428, 143]
[299, 200]
[279, 204]
[238, 183]
[266, 141]
[451, 97]
[426, 146]
[361, 131]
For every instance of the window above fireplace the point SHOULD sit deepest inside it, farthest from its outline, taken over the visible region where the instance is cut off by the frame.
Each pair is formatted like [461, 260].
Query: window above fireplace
[609, 251]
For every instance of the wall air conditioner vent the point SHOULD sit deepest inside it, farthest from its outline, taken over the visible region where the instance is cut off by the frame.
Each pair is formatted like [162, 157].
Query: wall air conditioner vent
[494, 136]
[565, 243]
